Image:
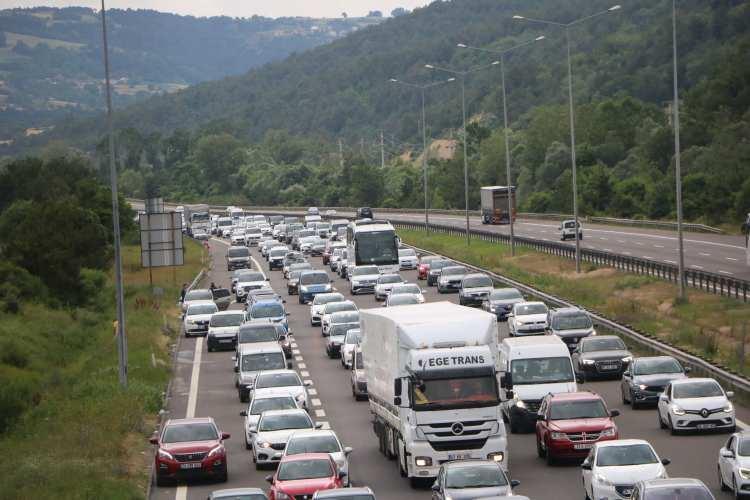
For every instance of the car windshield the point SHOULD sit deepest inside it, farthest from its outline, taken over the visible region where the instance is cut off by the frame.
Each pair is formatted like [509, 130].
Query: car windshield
[360, 364]
[453, 271]
[390, 278]
[301, 266]
[687, 492]
[267, 310]
[314, 279]
[407, 252]
[593, 344]
[341, 328]
[182, 433]
[505, 294]
[323, 443]
[477, 282]
[277, 380]
[345, 317]
[705, 389]
[403, 299]
[199, 295]
[221, 320]
[436, 265]
[577, 321]
[241, 496]
[476, 476]
[570, 224]
[292, 420]
[250, 277]
[279, 403]
[238, 252]
[541, 371]
[340, 306]
[324, 298]
[201, 309]
[652, 366]
[258, 333]
[364, 270]
[376, 247]
[455, 393]
[526, 309]
[304, 469]
[262, 361]
[353, 337]
[632, 454]
[278, 252]
[569, 410]
[410, 288]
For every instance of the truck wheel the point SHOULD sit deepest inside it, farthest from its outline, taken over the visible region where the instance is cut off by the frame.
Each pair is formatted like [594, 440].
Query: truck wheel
[390, 444]
[402, 459]
[513, 425]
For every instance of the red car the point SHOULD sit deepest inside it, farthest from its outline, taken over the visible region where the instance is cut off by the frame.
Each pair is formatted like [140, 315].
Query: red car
[189, 448]
[423, 268]
[568, 425]
[302, 475]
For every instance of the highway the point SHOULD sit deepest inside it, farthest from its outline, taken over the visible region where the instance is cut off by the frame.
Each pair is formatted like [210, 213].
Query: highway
[203, 386]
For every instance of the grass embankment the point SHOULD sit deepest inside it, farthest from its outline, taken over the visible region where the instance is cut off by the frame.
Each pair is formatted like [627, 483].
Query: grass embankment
[84, 437]
[706, 324]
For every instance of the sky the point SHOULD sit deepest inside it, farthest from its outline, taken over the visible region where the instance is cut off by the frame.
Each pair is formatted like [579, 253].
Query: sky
[237, 8]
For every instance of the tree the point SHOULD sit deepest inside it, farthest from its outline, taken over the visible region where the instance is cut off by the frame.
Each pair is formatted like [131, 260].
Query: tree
[374, 13]
[218, 157]
[399, 11]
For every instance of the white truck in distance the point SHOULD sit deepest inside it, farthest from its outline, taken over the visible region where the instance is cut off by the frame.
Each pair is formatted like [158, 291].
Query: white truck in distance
[197, 217]
[431, 378]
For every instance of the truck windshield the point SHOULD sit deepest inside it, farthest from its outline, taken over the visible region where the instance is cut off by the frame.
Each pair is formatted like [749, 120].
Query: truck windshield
[541, 371]
[455, 393]
[377, 248]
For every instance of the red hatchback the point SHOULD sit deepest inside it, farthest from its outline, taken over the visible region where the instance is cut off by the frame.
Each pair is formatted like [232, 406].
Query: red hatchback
[423, 268]
[568, 425]
[300, 476]
[188, 448]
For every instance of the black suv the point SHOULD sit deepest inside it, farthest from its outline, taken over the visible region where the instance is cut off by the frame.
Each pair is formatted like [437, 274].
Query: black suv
[365, 213]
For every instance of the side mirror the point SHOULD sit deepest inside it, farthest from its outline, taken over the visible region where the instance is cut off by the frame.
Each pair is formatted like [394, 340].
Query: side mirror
[236, 369]
[253, 430]
[268, 279]
[342, 475]
[436, 487]
[614, 413]
[318, 425]
[397, 401]
[308, 383]
[289, 365]
[154, 440]
[726, 453]
[730, 394]
[579, 378]
[348, 450]
[288, 313]
[397, 387]
[506, 381]
[283, 301]
[586, 466]
[331, 280]
[243, 413]
[687, 369]
[225, 435]
[665, 461]
[514, 483]
[540, 417]
[269, 479]
[509, 394]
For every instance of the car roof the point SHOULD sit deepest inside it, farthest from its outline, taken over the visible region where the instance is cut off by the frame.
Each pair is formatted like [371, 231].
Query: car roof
[344, 492]
[306, 456]
[651, 358]
[232, 312]
[201, 303]
[230, 492]
[260, 347]
[671, 482]
[622, 442]
[199, 290]
[476, 275]
[314, 432]
[693, 380]
[575, 396]
[265, 302]
[277, 372]
[469, 463]
[288, 411]
[195, 420]
[567, 310]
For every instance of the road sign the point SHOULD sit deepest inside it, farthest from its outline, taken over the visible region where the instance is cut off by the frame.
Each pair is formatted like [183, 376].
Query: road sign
[161, 239]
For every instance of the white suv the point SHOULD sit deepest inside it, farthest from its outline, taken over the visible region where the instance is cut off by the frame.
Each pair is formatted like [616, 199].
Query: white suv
[567, 230]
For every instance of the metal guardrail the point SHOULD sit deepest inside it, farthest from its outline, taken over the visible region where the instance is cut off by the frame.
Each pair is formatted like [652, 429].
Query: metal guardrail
[700, 365]
[706, 281]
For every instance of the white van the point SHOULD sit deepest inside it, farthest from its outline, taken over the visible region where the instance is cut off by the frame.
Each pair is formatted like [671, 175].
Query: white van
[531, 368]
[311, 220]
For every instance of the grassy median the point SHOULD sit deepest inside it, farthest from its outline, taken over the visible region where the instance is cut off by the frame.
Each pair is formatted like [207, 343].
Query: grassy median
[82, 436]
[709, 325]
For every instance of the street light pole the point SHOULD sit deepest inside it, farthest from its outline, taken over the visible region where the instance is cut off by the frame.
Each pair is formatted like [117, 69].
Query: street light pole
[122, 343]
[566, 27]
[506, 128]
[462, 75]
[677, 166]
[422, 89]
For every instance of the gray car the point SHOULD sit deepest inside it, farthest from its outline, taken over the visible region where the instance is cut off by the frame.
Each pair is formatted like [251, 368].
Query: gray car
[661, 489]
[238, 494]
[470, 479]
[361, 493]
[571, 324]
[475, 288]
[645, 379]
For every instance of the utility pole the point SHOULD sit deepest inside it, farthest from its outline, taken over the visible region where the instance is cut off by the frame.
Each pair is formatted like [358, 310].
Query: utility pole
[677, 166]
[122, 343]
[382, 151]
[341, 155]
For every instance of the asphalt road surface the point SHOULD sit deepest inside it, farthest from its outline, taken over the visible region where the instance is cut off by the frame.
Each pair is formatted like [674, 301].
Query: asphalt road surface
[203, 386]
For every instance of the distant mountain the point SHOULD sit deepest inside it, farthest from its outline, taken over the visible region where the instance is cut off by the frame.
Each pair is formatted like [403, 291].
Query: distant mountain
[51, 59]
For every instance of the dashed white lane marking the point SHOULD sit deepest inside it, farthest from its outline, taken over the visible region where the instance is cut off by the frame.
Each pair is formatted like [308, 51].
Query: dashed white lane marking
[670, 262]
[320, 413]
[732, 258]
[312, 392]
[296, 352]
[659, 246]
[647, 257]
[604, 239]
[696, 267]
[639, 243]
[607, 249]
[304, 373]
[298, 358]
[301, 366]
[620, 241]
[725, 272]
[627, 253]
[704, 254]
[316, 402]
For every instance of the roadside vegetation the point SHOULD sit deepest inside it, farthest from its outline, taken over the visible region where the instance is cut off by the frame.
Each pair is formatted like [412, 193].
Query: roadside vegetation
[712, 326]
[67, 429]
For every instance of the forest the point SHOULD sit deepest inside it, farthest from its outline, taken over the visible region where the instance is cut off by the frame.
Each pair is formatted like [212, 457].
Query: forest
[271, 136]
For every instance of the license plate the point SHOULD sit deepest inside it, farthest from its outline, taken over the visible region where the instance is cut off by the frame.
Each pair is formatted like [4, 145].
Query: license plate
[459, 456]
[609, 367]
[191, 465]
[706, 426]
[582, 446]
[225, 341]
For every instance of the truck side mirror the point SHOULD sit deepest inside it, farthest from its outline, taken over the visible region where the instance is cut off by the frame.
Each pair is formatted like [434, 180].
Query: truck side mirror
[397, 387]
[506, 381]
[397, 401]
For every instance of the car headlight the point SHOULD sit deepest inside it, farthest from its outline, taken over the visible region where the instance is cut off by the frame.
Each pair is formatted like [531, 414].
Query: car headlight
[587, 361]
[498, 456]
[191, 322]
[263, 444]
[423, 461]
[558, 436]
[303, 289]
[642, 387]
[520, 404]
[216, 451]
[677, 410]
[627, 359]
[608, 432]
[603, 480]
[280, 495]
[165, 455]
[745, 473]
[729, 407]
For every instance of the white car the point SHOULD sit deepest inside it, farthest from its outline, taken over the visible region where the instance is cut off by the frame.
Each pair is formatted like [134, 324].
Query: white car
[528, 318]
[385, 283]
[351, 341]
[362, 279]
[734, 464]
[274, 381]
[272, 432]
[197, 295]
[249, 280]
[407, 258]
[567, 230]
[269, 400]
[223, 328]
[319, 302]
[332, 308]
[320, 441]
[337, 334]
[253, 236]
[338, 318]
[197, 317]
[613, 467]
[695, 404]
[408, 289]
[238, 237]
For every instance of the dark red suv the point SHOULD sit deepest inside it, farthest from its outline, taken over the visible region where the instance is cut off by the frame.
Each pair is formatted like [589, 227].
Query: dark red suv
[189, 448]
[569, 424]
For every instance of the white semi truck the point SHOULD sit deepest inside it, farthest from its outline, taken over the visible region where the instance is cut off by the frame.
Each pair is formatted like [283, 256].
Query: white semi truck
[197, 217]
[432, 383]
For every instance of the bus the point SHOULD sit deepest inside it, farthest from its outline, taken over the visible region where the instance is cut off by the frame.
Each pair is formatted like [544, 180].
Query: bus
[373, 242]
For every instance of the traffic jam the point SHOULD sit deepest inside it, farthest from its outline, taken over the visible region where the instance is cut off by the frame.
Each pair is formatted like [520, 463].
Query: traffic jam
[452, 369]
